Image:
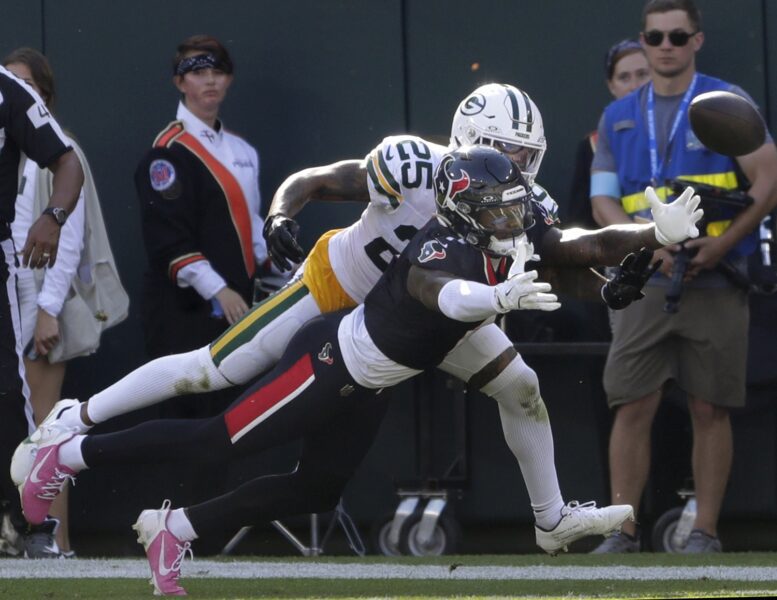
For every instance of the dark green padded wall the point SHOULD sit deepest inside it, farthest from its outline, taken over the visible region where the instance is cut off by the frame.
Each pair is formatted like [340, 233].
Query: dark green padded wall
[21, 24]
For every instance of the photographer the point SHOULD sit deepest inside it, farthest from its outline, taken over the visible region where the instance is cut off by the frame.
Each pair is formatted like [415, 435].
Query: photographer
[645, 138]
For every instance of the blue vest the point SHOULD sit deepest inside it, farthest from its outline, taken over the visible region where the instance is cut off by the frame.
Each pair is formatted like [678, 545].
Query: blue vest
[627, 132]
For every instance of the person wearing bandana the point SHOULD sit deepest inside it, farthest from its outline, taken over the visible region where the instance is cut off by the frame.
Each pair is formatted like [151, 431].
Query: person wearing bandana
[198, 188]
[199, 193]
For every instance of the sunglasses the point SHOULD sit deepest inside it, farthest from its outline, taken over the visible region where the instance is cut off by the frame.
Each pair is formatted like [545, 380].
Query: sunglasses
[676, 38]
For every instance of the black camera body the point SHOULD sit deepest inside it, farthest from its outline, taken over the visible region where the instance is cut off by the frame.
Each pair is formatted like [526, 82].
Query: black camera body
[761, 277]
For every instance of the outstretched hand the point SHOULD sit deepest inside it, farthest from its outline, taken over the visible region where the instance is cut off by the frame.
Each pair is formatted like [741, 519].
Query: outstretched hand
[675, 222]
[626, 285]
[522, 292]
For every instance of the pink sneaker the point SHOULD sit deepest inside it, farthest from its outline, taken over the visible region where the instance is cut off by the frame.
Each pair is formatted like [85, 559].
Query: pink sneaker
[164, 551]
[47, 476]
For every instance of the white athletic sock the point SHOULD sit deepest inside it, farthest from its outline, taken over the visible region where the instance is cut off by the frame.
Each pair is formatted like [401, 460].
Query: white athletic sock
[160, 379]
[180, 526]
[527, 432]
[70, 454]
[71, 417]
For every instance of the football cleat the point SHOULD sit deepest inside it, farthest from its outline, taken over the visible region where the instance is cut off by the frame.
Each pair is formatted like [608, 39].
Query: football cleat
[581, 520]
[24, 455]
[40, 541]
[618, 543]
[164, 551]
[47, 477]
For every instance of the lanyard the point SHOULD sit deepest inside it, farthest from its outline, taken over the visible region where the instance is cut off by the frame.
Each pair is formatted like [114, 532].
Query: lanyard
[655, 166]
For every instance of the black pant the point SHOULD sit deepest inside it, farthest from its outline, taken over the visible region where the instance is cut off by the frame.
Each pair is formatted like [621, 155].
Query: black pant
[309, 395]
[14, 426]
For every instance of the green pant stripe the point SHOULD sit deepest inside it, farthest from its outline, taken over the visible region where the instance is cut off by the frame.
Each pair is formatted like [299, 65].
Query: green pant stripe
[249, 326]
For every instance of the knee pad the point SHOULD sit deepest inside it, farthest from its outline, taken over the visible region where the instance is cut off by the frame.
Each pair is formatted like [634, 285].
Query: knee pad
[517, 388]
[200, 372]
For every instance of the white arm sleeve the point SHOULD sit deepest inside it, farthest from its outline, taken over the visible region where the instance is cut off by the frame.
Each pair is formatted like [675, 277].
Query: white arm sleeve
[201, 276]
[467, 301]
[56, 282]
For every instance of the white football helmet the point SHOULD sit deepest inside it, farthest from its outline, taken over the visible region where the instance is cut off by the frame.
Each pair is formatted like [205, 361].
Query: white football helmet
[502, 116]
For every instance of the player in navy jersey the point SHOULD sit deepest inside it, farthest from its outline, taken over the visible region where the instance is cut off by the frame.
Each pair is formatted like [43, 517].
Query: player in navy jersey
[459, 273]
[395, 181]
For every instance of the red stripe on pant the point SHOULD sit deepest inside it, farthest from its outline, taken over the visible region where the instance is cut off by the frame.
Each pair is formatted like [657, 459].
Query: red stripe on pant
[263, 402]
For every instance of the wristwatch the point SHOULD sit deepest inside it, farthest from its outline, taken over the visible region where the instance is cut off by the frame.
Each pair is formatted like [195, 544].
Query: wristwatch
[58, 214]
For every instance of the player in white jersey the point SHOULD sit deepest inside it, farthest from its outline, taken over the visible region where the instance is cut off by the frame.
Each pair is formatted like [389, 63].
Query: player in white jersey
[396, 180]
[400, 172]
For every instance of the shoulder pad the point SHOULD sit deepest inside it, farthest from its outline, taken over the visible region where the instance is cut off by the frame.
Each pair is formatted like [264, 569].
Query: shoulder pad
[399, 164]
[380, 169]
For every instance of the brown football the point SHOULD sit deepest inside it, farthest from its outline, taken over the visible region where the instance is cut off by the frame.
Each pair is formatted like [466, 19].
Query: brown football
[726, 123]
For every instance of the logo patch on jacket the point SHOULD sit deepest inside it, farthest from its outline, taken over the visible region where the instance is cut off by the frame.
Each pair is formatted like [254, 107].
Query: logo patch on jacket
[325, 356]
[162, 175]
[432, 250]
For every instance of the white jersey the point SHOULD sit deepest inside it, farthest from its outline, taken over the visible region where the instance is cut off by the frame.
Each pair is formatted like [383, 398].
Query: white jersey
[401, 182]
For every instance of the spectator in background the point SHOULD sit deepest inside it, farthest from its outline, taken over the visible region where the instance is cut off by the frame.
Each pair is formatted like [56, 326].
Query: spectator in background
[704, 346]
[626, 69]
[26, 126]
[199, 193]
[43, 294]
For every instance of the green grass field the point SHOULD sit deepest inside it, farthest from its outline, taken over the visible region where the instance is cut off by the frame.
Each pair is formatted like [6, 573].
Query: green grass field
[536, 576]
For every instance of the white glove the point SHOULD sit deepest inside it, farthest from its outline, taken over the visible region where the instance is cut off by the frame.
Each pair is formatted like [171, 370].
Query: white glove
[523, 293]
[675, 222]
[523, 252]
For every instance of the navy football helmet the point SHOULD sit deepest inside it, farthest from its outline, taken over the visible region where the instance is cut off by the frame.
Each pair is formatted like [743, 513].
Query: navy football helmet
[483, 197]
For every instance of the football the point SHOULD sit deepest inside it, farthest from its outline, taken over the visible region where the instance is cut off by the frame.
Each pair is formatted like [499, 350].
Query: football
[726, 123]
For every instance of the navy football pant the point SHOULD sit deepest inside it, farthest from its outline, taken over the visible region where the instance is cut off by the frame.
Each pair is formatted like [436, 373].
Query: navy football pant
[309, 395]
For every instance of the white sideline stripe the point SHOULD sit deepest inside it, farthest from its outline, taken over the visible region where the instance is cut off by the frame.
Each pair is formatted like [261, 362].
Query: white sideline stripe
[208, 569]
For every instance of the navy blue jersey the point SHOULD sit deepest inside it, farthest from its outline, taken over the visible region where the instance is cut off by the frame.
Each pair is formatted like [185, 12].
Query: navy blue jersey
[402, 327]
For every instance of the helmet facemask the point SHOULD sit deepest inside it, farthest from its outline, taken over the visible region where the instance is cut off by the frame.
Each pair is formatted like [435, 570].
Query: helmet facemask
[506, 224]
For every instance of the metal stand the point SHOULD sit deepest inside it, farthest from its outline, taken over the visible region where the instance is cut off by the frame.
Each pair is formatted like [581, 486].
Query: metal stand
[316, 547]
[430, 489]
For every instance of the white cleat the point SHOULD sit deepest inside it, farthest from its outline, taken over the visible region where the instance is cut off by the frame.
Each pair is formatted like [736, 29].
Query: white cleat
[24, 455]
[581, 520]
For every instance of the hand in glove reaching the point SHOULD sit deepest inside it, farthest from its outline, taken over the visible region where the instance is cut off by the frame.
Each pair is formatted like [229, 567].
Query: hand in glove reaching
[675, 222]
[632, 274]
[280, 233]
[522, 292]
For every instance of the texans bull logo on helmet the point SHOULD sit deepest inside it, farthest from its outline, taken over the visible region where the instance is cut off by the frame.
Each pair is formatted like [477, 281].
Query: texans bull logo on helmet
[452, 187]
